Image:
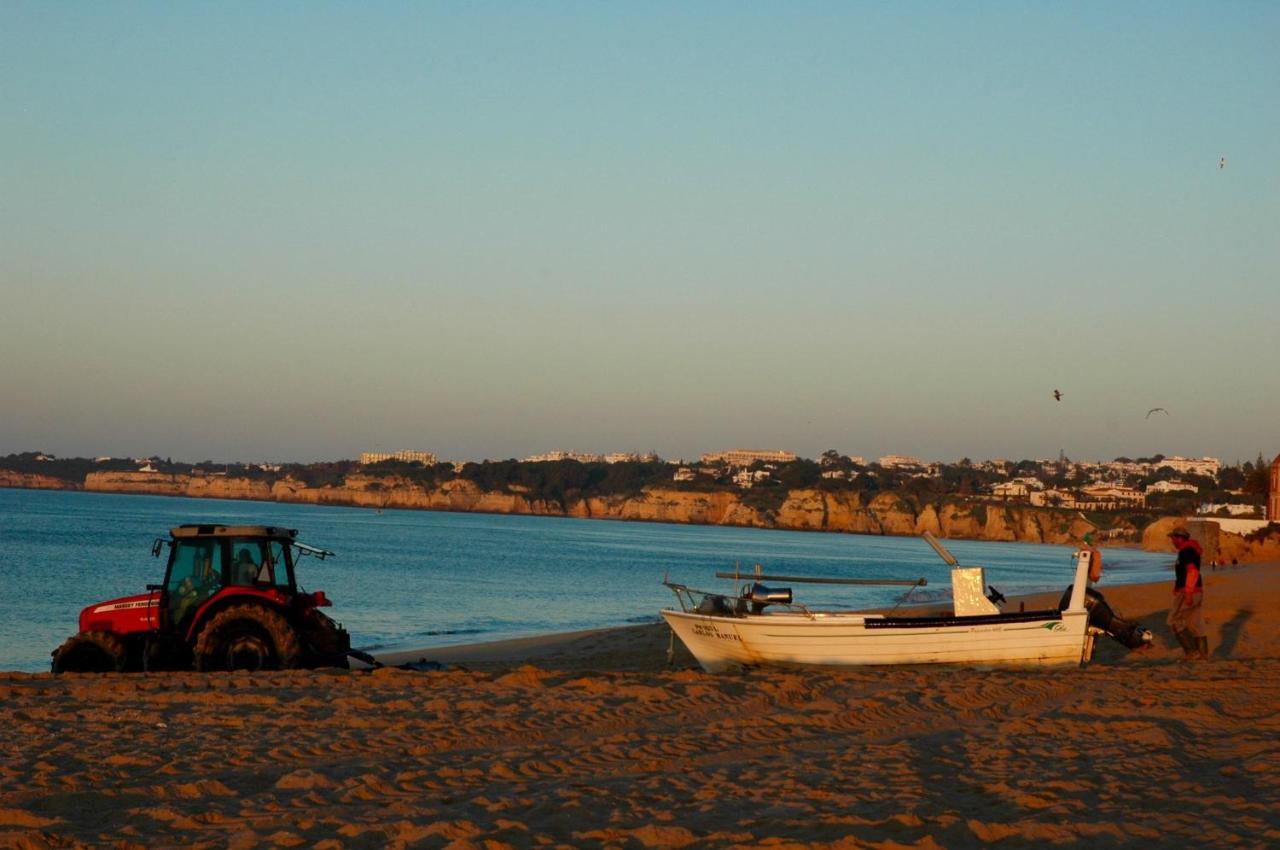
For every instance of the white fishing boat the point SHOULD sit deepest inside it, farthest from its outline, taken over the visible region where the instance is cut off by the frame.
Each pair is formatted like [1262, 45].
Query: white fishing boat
[762, 625]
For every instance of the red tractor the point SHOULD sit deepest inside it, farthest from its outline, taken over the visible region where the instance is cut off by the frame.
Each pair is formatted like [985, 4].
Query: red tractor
[229, 602]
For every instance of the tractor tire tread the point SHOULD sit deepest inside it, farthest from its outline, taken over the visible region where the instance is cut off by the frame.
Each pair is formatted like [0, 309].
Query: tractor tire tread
[109, 645]
[284, 638]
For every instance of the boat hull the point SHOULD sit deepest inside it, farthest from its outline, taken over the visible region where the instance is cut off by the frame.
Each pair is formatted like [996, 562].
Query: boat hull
[846, 640]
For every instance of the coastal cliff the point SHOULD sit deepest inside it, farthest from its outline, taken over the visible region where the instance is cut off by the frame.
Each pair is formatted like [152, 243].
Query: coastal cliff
[800, 510]
[31, 481]
[886, 513]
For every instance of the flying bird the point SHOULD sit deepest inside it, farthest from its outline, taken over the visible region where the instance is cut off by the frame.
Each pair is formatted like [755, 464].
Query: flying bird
[1154, 410]
[1057, 396]
[1222, 163]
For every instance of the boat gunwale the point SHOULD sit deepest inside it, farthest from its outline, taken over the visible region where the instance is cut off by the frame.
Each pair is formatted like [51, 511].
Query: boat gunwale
[877, 621]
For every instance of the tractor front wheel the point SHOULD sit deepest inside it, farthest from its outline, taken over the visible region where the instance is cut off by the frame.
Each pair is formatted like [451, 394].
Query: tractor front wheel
[90, 652]
[247, 637]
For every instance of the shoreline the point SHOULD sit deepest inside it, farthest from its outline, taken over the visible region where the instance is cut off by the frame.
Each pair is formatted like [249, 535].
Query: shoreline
[1140, 601]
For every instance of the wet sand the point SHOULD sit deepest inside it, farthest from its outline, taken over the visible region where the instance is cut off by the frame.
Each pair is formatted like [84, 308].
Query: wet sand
[590, 740]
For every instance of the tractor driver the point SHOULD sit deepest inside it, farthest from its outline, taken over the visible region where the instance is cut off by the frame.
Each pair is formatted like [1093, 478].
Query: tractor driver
[245, 571]
[195, 589]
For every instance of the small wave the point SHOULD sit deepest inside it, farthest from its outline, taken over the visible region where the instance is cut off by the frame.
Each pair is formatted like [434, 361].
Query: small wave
[643, 620]
[443, 632]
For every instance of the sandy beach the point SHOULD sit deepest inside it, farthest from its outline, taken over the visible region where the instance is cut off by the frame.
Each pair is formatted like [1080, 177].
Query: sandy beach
[592, 740]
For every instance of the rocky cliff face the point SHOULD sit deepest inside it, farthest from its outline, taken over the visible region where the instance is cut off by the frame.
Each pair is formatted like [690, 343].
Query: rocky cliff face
[801, 510]
[164, 484]
[31, 481]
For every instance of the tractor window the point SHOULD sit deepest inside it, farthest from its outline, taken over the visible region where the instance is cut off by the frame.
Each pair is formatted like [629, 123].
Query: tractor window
[248, 564]
[195, 574]
[277, 552]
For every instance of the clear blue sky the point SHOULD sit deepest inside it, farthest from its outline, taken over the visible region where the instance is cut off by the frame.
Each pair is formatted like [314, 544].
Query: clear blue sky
[295, 232]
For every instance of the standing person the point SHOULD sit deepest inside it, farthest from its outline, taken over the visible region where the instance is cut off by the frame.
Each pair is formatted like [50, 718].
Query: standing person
[1186, 619]
[1095, 559]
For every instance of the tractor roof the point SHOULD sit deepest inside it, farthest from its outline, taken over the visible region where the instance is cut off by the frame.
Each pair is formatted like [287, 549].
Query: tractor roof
[270, 531]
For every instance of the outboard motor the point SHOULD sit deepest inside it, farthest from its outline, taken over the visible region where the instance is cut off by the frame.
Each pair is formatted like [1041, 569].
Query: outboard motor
[714, 606]
[759, 596]
[1128, 634]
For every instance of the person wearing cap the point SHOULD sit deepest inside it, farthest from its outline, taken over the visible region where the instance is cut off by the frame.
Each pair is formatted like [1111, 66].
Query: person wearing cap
[1186, 618]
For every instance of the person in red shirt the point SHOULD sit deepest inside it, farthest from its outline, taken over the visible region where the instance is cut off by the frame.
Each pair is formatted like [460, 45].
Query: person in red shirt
[1186, 618]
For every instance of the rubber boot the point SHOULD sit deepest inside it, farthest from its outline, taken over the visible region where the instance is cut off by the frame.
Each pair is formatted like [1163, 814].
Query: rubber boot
[1188, 642]
[1202, 644]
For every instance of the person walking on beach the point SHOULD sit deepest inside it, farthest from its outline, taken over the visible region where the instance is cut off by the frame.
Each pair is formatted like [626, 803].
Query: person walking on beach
[1186, 618]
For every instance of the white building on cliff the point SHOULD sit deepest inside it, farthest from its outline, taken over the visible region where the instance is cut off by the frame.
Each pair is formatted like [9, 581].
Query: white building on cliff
[424, 458]
[746, 457]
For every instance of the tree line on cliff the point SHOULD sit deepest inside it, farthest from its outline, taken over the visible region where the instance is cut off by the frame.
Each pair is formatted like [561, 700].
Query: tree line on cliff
[568, 480]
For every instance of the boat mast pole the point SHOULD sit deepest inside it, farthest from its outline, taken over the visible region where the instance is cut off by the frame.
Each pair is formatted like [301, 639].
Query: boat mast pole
[918, 582]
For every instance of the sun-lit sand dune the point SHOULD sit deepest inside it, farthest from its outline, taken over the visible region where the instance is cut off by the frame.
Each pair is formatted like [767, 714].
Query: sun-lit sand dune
[590, 740]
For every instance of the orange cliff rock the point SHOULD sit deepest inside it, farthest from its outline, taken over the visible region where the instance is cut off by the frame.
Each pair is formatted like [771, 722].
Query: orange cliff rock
[32, 481]
[801, 510]
[165, 484]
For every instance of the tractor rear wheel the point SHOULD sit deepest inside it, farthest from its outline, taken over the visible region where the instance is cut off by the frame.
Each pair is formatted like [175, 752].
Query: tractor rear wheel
[90, 652]
[326, 640]
[247, 637]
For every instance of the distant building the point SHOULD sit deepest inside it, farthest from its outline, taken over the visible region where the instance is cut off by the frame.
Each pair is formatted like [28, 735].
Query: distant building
[1204, 466]
[424, 458]
[1052, 498]
[1273, 496]
[1233, 509]
[1171, 487]
[684, 473]
[1089, 498]
[622, 457]
[553, 456]
[746, 479]
[898, 461]
[1114, 496]
[1011, 491]
[746, 457]
[631, 457]
[1126, 468]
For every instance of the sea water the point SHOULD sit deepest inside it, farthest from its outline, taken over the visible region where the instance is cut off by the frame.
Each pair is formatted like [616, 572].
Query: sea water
[420, 579]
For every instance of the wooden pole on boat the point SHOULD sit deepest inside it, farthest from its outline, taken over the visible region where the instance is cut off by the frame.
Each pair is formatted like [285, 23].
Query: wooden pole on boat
[919, 582]
[940, 549]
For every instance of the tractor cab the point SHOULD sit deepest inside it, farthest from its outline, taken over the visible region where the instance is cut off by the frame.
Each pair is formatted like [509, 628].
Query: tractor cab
[204, 560]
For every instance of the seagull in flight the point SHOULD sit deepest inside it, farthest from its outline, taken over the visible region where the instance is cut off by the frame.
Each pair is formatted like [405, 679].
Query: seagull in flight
[1222, 163]
[1155, 409]
[1057, 395]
